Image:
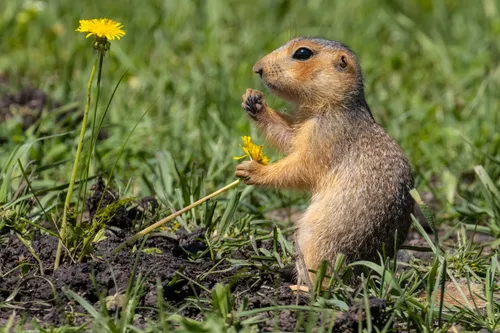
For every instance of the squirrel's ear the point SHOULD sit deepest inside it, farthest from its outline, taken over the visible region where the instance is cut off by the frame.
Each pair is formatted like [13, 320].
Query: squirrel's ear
[342, 62]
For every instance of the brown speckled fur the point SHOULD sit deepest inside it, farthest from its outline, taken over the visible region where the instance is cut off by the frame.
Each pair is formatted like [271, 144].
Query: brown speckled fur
[358, 175]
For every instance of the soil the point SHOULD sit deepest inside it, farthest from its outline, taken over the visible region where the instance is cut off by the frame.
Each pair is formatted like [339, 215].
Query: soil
[181, 275]
[43, 298]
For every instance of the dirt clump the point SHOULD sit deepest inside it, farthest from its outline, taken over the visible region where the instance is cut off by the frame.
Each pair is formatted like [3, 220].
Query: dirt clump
[349, 321]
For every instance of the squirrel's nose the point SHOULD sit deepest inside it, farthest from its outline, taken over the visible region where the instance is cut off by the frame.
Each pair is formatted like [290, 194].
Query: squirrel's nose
[258, 68]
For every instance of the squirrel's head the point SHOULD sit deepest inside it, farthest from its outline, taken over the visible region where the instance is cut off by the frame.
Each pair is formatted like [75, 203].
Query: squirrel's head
[310, 70]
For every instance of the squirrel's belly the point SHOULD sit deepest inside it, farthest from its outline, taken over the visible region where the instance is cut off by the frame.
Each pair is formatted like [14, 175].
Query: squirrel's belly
[355, 216]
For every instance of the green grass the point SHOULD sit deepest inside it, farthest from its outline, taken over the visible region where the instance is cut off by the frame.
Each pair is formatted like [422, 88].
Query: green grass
[432, 79]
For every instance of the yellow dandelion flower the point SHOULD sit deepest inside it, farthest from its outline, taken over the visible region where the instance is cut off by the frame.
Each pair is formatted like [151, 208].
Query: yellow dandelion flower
[102, 28]
[253, 151]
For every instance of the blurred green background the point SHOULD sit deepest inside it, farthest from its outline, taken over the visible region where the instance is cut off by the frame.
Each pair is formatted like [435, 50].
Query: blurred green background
[431, 68]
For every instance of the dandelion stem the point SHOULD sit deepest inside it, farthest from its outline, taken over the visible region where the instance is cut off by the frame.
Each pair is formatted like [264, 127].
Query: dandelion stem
[64, 223]
[93, 141]
[172, 216]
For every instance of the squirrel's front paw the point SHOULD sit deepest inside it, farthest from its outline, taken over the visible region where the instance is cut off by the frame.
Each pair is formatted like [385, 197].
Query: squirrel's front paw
[254, 103]
[249, 172]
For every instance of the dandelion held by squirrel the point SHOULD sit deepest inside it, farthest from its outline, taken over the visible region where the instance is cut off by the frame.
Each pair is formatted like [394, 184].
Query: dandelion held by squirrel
[104, 30]
[251, 150]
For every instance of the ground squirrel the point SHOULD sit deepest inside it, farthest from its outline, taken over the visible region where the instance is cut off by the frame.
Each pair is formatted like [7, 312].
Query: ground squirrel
[358, 175]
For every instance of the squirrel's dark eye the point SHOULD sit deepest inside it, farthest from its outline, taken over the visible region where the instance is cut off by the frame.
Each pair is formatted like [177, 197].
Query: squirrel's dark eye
[302, 54]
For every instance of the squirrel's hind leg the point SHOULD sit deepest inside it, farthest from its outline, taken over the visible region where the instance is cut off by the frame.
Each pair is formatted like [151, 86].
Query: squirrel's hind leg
[300, 264]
